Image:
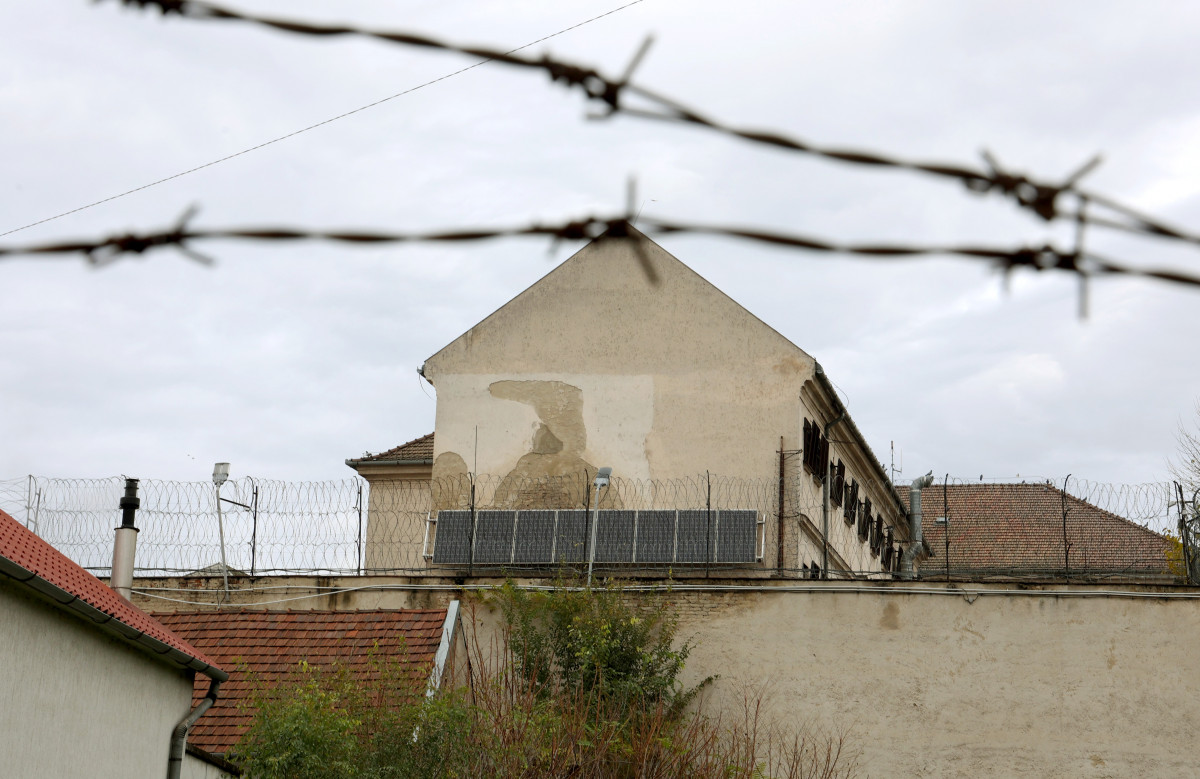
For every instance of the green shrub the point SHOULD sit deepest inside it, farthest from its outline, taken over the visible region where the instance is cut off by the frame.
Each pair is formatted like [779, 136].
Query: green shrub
[598, 641]
[588, 688]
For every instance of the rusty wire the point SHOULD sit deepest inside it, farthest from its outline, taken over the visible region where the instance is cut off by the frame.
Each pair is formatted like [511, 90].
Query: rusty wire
[1041, 197]
[1039, 258]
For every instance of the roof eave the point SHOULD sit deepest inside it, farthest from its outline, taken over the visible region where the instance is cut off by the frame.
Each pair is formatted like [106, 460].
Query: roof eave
[367, 461]
[106, 622]
[840, 408]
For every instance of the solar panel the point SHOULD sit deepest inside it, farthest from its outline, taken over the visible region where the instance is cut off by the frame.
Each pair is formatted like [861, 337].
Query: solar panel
[655, 537]
[494, 537]
[546, 537]
[451, 544]
[570, 537]
[694, 541]
[535, 537]
[614, 536]
[737, 536]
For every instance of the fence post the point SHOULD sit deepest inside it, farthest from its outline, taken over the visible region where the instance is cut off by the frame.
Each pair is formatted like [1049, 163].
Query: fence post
[779, 510]
[359, 555]
[253, 526]
[1066, 545]
[1184, 536]
[471, 530]
[587, 519]
[708, 513]
[946, 516]
[29, 501]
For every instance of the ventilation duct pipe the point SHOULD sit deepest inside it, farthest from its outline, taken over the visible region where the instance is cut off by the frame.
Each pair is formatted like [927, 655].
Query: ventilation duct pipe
[125, 544]
[916, 536]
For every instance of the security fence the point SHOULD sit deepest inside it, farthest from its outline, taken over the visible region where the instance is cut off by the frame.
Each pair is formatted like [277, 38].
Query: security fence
[708, 525]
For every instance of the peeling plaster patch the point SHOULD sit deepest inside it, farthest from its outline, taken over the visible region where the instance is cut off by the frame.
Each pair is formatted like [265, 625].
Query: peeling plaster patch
[450, 486]
[558, 405]
[553, 473]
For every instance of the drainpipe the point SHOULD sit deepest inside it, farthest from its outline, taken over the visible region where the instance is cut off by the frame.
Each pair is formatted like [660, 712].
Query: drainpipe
[825, 503]
[179, 734]
[125, 543]
[907, 562]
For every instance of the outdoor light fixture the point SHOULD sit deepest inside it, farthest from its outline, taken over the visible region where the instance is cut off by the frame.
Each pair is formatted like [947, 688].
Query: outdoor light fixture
[220, 476]
[602, 477]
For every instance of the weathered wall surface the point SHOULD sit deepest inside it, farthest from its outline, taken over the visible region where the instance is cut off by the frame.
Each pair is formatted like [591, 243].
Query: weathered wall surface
[982, 681]
[596, 366]
[74, 702]
[397, 513]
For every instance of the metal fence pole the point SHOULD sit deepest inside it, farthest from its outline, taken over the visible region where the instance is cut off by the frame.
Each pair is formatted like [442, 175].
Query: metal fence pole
[29, 501]
[471, 531]
[587, 516]
[946, 516]
[253, 526]
[1066, 545]
[779, 513]
[359, 547]
[708, 510]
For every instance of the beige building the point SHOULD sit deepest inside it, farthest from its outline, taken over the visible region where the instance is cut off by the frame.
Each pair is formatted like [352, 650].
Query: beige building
[624, 357]
[91, 685]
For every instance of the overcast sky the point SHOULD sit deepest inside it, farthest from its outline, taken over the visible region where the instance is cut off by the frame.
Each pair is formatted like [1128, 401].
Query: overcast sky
[288, 359]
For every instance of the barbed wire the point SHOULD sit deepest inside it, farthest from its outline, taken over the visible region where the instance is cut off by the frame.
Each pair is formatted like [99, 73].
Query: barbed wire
[1039, 258]
[1040, 196]
[974, 531]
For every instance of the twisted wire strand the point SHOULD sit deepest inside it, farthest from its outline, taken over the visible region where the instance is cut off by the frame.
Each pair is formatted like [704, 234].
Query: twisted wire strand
[1039, 196]
[1043, 258]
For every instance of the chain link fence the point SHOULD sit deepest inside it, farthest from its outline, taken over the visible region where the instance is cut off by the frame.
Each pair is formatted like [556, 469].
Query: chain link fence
[793, 526]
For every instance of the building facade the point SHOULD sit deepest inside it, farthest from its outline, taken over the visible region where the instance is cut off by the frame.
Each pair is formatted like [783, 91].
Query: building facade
[623, 357]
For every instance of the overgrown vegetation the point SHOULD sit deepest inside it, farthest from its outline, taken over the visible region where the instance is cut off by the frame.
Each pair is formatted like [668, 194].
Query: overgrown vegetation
[581, 683]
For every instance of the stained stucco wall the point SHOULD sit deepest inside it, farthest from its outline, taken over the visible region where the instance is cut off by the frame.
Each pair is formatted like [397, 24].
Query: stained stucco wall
[977, 682]
[74, 702]
[594, 365]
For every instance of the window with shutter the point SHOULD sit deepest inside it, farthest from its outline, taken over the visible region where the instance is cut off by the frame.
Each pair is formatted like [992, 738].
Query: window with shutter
[816, 451]
[864, 520]
[838, 485]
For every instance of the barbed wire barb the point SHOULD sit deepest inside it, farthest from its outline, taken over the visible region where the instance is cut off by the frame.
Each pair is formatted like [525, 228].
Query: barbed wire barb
[1038, 258]
[1040, 197]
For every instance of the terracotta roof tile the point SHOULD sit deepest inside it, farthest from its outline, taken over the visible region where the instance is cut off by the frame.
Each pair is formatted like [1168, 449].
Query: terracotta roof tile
[417, 449]
[271, 644]
[1018, 528]
[22, 547]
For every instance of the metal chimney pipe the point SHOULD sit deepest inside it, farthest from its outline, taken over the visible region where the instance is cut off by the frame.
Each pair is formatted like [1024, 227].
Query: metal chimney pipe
[916, 533]
[125, 543]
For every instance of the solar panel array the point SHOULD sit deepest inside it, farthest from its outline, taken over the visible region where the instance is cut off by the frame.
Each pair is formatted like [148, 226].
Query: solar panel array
[546, 538]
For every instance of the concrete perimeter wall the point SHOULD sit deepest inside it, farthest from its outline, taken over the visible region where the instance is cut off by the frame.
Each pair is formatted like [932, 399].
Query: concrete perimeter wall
[923, 681]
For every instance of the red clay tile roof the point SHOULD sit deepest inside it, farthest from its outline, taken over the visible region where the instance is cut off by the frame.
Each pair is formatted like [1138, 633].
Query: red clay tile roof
[33, 562]
[271, 644]
[416, 450]
[1018, 528]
